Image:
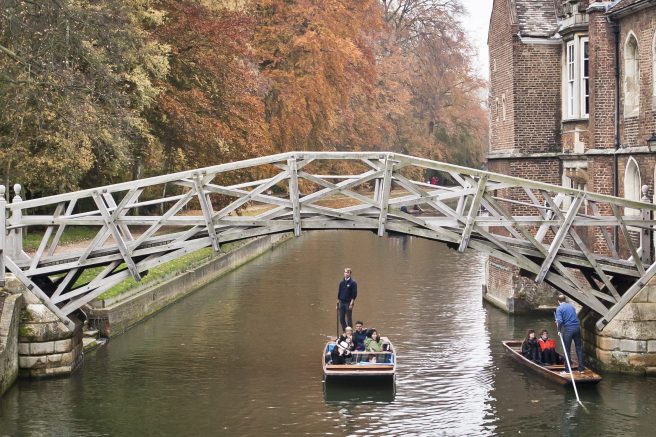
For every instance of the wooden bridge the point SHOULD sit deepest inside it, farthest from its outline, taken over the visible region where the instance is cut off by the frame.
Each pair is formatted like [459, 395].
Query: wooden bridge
[571, 239]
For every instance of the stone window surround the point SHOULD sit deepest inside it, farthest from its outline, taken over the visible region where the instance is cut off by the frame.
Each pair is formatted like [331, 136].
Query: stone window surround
[632, 184]
[567, 182]
[631, 79]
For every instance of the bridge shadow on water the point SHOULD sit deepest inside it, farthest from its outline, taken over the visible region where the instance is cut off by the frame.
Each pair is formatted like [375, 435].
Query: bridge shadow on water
[376, 390]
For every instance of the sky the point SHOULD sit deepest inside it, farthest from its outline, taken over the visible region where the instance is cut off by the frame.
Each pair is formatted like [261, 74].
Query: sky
[476, 23]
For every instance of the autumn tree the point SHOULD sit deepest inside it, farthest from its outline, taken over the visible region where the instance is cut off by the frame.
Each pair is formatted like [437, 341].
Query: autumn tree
[211, 109]
[76, 80]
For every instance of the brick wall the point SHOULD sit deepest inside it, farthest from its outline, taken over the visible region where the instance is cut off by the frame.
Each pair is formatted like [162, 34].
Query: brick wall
[634, 131]
[602, 81]
[500, 40]
[537, 97]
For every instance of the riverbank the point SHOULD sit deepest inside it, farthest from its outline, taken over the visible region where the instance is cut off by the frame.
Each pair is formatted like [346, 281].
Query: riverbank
[113, 314]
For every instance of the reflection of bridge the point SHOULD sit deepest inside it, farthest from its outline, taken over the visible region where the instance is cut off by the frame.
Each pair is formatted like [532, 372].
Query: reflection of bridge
[547, 231]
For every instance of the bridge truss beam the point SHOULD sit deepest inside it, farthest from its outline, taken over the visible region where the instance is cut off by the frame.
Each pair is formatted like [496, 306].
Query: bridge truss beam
[554, 234]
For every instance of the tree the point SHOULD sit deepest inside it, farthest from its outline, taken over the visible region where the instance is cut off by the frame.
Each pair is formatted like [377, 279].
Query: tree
[77, 78]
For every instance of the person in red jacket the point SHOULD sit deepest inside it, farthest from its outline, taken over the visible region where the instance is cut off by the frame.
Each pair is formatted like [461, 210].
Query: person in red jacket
[548, 348]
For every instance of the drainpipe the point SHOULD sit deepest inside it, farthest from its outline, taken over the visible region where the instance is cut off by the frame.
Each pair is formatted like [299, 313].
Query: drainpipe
[616, 32]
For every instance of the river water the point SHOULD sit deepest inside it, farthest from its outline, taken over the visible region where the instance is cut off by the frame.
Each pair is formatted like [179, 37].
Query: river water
[242, 357]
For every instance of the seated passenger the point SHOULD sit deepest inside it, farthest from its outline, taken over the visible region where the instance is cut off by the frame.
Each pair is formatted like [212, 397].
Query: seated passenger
[341, 353]
[373, 343]
[347, 336]
[548, 348]
[359, 336]
[531, 348]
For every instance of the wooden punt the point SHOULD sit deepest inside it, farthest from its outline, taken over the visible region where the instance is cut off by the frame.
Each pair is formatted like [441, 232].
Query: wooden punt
[362, 365]
[556, 373]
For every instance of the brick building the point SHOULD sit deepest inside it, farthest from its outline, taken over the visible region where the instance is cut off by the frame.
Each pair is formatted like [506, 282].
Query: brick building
[572, 102]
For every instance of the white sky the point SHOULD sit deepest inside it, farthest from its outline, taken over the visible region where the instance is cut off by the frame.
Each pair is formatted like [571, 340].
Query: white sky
[476, 23]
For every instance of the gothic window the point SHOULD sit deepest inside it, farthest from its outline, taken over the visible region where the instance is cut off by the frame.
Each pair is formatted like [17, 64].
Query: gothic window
[496, 108]
[503, 107]
[632, 185]
[631, 77]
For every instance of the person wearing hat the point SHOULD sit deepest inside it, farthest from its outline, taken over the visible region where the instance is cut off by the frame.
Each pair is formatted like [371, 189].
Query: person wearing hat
[341, 353]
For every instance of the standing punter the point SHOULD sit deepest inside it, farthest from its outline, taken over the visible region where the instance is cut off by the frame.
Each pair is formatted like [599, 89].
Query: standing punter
[348, 291]
[568, 324]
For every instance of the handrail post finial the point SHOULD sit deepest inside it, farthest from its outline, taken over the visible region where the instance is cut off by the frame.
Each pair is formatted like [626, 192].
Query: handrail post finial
[646, 234]
[14, 243]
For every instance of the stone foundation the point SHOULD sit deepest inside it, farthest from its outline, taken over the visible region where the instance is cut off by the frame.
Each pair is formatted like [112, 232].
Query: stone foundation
[507, 289]
[9, 320]
[46, 347]
[628, 343]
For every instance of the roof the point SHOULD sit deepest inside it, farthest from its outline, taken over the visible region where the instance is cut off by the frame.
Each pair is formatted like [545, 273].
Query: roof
[536, 17]
[623, 4]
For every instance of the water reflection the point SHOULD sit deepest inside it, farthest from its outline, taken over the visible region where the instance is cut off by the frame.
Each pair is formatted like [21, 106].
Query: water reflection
[241, 357]
[354, 390]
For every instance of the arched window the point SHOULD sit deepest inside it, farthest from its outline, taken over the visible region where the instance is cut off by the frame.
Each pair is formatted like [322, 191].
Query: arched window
[496, 108]
[631, 77]
[503, 107]
[632, 185]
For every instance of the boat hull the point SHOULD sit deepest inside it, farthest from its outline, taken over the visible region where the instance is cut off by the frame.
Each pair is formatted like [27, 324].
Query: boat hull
[555, 373]
[362, 370]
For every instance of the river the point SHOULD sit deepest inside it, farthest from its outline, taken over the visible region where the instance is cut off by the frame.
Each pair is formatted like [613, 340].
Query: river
[242, 357]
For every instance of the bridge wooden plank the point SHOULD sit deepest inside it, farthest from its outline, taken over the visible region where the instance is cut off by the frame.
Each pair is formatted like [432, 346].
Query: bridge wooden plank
[250, 195]
[163, 220]
[495, 208]
[385, 195]
[63, 316]
[44, 241]
[120, 243]
[560, 235]
[60, 229]
[627, 239]
[604, 231]
[206, 208]
[589, 256]
[294, 195]
[627, 297]
[473, 211]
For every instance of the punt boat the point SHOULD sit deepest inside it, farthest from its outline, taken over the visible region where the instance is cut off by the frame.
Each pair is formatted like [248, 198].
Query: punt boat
[362, 364]
[556, 373]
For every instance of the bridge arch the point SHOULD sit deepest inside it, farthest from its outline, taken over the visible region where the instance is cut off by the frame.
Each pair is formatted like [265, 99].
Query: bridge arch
[519, 221]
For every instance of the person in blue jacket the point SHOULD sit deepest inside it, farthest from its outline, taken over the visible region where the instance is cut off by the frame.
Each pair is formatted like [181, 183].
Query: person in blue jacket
[569, 326]
[346, 295]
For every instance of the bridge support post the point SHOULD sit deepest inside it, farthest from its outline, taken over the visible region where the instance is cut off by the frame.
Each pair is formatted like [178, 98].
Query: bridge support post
[14, 243]
[646, 235]
[384, 194]
[294, 195]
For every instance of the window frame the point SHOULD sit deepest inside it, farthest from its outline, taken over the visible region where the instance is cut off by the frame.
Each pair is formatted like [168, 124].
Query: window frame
[570, 78]
[584, 80]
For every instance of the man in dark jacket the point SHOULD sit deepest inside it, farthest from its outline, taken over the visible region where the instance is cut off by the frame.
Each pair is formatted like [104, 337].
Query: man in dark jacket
[346, 294]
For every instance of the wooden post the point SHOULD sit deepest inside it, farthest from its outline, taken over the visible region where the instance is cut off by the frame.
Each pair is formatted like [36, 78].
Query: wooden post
[385, 195]
[294, 195]
[15, 237]
[646, 235]
[3, 233]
